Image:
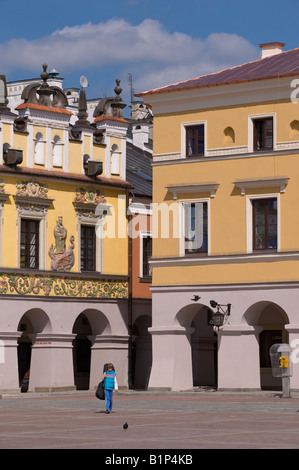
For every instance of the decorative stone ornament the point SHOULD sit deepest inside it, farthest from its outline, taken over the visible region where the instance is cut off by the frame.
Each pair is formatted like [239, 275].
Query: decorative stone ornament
[32, 189]
[62, 259]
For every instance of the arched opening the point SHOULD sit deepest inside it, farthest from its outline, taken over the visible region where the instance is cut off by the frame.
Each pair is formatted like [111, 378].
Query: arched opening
[88, 359]
[32, 322]
[142, 352]
[203, 344]
[271, 318]
[81, 352]
[204, 351]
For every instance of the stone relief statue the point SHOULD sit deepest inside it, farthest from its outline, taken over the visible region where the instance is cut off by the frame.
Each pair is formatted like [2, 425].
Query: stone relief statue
[60, 234]
[62, 259]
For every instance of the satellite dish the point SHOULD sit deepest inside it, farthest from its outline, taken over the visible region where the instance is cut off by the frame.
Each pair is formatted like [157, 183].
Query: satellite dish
[83, 82]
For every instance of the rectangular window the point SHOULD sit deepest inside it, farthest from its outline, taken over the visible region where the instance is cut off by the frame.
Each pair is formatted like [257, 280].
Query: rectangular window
[263, 134]
[88, 248]
[146, 254]
[265, 224]
[29, 248]
[195, 141]
[196, 227]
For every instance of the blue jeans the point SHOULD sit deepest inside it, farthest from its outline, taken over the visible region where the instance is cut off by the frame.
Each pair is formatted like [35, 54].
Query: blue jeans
[108, 399]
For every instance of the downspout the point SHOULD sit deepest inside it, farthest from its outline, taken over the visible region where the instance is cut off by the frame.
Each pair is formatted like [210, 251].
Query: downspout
[130, 300]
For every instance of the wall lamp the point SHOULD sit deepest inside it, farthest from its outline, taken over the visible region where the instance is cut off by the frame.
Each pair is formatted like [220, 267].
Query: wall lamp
[219, 317]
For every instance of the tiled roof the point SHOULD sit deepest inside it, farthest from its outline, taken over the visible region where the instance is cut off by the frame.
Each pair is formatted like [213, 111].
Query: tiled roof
[43, 108]
[109, 118]
[283, 64]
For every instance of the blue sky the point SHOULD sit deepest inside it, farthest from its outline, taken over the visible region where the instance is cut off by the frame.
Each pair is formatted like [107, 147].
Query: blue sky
[158, 42]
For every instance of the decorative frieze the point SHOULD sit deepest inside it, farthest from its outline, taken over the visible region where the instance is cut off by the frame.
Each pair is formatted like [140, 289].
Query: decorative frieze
[62, 286]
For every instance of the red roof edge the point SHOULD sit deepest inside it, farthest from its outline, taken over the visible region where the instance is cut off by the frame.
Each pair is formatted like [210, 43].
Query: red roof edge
[43, 108]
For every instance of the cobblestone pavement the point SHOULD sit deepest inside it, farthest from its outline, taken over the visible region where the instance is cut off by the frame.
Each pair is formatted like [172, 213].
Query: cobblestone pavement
[155, 421]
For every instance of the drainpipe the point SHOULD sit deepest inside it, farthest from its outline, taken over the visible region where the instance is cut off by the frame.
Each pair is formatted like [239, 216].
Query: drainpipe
[130, 301]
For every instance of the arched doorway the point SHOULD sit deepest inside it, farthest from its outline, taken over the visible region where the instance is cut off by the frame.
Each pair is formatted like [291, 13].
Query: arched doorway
[273, 320]
[204, 351]
[270, 320]
[203, 344]
[81, 352]
[142, 352]
[32, 322]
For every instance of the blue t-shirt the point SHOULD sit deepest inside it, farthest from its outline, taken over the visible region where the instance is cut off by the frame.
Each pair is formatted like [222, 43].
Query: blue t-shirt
[109, 380]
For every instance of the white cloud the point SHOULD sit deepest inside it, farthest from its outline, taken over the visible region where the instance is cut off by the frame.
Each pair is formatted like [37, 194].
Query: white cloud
[154, 56]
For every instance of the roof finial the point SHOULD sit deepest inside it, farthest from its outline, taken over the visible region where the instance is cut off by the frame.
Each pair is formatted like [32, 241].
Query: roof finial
[118, 88]
[118, 105]
[44, 90]
[44, 75]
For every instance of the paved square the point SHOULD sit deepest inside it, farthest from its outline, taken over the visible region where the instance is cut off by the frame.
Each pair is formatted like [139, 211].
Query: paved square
[156, 421]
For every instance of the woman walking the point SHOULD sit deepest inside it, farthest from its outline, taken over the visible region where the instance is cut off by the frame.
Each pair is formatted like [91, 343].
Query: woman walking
[110, 384]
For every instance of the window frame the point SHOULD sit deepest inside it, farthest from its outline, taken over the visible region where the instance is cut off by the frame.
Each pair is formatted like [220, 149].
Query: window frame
[250, 226]
[265, 225]
[251, 131]
[28, 256]
[91, 227]
[98, 224]
[184, 133]
[143, 236]
[183, 204]
[40, 215]
[256, 132]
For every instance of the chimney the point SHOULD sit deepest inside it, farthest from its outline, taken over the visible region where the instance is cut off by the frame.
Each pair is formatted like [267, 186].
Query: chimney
[271, 48]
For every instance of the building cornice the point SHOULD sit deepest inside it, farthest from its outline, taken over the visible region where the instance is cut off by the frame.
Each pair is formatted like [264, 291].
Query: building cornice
[222, 95]
[176, 189]
[67, 177]
[225, 259]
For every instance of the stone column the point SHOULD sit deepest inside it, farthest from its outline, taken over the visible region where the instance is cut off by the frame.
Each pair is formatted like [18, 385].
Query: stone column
[9, 371]
[172, 358]
[238, 358]
[51, 366]
[109, 348]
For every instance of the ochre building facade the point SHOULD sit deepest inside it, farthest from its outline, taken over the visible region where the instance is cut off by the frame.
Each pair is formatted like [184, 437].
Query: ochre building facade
[225, 212]
[64, 276]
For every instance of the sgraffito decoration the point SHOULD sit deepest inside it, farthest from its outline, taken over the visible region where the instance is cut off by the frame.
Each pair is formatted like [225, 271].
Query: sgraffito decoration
[65, 286]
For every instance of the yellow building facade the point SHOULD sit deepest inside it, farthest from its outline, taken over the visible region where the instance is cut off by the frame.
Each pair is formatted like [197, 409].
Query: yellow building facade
[64, 246]
[225, 186]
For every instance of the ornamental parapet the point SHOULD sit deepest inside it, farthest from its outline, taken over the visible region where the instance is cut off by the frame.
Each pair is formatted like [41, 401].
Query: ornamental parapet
[72, 285]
